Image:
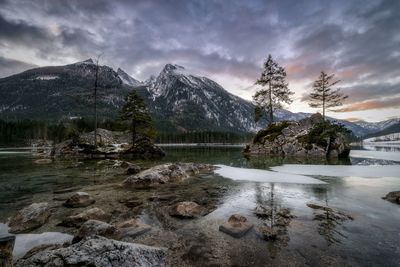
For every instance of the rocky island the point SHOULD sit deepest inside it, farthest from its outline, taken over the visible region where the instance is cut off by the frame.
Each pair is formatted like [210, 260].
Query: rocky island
[309, 137]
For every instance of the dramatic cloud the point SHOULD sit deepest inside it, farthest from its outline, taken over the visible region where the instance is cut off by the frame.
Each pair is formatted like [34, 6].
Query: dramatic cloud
[373, 104]
[357, 40]
[10, 66]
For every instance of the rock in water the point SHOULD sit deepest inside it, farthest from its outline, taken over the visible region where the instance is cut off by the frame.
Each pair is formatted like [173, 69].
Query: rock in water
[97, 252]
[95, 227]
[132, 229]
[90, 214]
[237, 226]
[187, 210]
[393, 197]
[43, 161]
[29, 218]
[309, 137]
[79, 200]
[165, 173]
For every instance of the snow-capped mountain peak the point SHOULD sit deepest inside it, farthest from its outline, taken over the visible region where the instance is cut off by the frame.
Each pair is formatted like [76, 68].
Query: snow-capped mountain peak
[127, 79]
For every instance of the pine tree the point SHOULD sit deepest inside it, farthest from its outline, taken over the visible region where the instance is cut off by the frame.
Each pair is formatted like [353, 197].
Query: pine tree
[137, 115]
[324, 95]
[275, 90]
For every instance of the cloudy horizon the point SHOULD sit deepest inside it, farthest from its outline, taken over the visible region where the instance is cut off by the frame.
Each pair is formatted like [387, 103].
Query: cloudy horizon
[227, 41]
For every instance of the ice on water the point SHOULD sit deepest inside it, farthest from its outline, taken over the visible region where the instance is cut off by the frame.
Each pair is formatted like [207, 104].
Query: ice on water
[266, 176]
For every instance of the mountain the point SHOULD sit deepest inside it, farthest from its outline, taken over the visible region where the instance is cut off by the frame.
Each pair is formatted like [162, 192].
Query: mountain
[391, 129]
[58, 92]
[185, 102]
[127, 79]
[178, 100]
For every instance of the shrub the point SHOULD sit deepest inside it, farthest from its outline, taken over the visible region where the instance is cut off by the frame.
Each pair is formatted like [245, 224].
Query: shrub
[271, 133]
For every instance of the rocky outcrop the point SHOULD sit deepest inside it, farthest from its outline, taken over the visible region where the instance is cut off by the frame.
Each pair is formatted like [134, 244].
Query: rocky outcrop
[110, 144]
[237, 226]
[166, 173]
[309, 137]
[90, 214]
[79, 200]
[187, 210]
[393, 197]
[97, 252]
[30, 218]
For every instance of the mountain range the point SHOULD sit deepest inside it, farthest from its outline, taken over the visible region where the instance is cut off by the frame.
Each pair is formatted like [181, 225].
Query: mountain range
[178, 101]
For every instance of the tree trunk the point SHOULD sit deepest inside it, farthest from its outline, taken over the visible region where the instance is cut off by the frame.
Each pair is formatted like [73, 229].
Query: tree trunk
[271, 115]
[95, 106]
[133, 132]
[323, 97]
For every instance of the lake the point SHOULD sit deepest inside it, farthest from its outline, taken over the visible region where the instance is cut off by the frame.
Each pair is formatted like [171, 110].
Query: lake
[363, 229]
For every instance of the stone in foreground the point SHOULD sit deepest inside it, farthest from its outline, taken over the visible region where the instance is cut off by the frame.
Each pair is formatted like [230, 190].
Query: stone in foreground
[187, 210]
[237, 226]
[30, 218]
[79, 200]
[393, 197]
[97, 252]
[90, 214]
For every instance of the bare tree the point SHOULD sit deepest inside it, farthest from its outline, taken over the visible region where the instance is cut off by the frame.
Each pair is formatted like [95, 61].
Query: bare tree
[95, 100]
[324, 95]
[273, 78]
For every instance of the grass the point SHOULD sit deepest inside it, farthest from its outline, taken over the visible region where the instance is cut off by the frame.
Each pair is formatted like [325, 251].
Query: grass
[271, 133]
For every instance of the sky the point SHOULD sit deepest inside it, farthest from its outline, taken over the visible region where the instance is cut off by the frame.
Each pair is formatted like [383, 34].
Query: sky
[227, 41]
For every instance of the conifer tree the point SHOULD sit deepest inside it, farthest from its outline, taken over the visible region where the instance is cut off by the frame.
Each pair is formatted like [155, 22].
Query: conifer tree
[324, 95]
[135, 112]
[275, 90]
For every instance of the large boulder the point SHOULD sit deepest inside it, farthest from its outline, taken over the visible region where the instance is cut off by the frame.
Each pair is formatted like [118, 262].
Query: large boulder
[97, 252]
[309, 137]
[30, 218]
[79, 200]
[393, 197]
[89, 214]
[165, 173]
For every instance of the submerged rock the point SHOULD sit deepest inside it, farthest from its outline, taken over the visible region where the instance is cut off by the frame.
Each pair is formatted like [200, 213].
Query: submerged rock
[79, 200]
[97, 252]
[237, 226]
[131, 229]
[43, 161]
[90, 214]
[165, 173]
[309, 137]
[30, 218]
[393, 197]
[187, 210]
[93, 228]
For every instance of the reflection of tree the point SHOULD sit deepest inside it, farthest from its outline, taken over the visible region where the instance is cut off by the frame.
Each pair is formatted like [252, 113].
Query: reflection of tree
[329, 218]
[275, 217]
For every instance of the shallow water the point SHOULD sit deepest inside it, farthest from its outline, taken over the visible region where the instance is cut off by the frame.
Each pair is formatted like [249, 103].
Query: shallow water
[354, 186]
